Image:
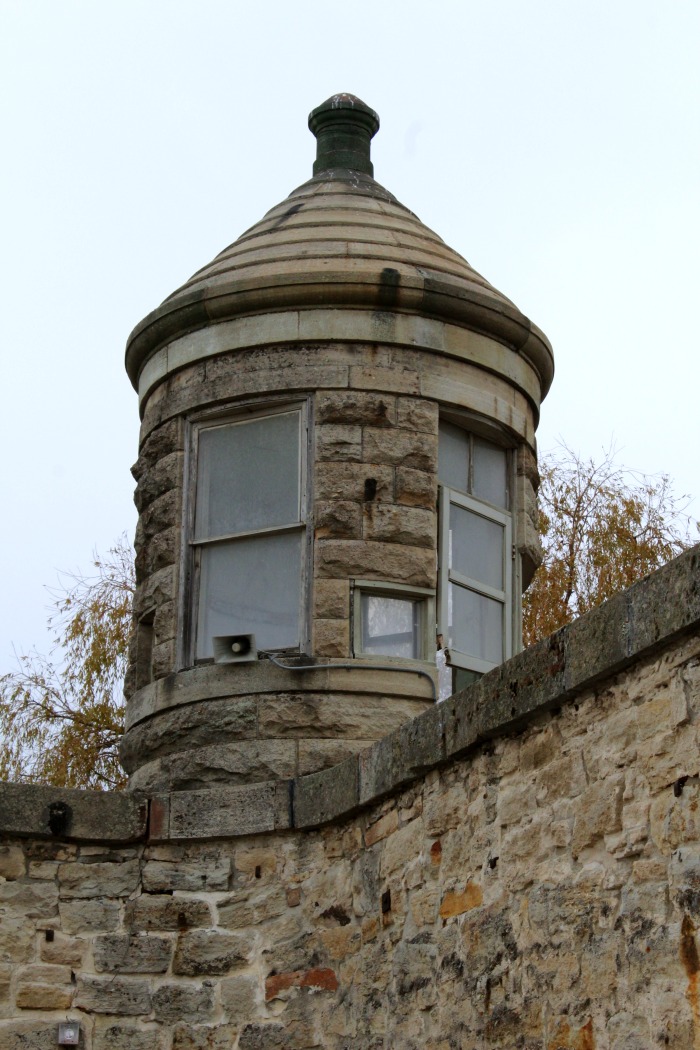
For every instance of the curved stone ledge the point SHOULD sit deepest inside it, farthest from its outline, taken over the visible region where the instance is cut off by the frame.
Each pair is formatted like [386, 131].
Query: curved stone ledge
[528, 365]
[634, 625]
[224, 681]
[71, 814]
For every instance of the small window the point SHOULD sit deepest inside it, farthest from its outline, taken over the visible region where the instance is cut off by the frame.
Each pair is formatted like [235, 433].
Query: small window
[475, 552]
[393, 621]
[248, 531]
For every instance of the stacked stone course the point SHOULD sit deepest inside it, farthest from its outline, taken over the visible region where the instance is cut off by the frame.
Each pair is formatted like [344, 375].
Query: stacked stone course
[540, 889]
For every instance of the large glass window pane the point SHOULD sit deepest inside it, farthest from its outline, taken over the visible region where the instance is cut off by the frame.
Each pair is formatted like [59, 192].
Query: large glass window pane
[251, 586]
[490, 474]
[453, 457]
[475, 624]
[248, 476]
[476, 547]
[390, 626]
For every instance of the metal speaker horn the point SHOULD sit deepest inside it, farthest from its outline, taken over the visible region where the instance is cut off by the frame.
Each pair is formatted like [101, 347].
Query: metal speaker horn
[235, 649]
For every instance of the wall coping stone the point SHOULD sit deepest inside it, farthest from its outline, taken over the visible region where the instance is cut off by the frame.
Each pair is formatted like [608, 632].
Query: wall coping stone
[64, 814]
[632, 625]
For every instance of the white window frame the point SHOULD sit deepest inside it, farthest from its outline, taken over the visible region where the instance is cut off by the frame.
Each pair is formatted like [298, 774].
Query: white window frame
[377, 588]
[190, 590]
[448, 497]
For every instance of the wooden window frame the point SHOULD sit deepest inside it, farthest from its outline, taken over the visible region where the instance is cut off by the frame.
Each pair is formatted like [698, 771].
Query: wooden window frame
[191, 555]
[448, 497]
[381, 589]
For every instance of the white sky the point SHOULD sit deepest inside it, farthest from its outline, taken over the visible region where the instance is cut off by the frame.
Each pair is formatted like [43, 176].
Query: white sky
[555, 144]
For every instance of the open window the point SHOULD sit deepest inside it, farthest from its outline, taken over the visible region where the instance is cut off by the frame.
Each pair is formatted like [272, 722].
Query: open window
[475, 591]
[248, 530]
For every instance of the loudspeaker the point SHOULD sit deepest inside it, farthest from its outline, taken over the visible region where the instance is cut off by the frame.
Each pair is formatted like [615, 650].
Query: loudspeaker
[235, 649]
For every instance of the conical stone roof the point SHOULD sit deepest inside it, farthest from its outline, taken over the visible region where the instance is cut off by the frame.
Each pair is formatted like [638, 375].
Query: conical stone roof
[340, 240]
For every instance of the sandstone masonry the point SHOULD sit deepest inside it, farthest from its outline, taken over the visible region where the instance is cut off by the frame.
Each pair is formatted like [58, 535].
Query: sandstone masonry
[518, 867]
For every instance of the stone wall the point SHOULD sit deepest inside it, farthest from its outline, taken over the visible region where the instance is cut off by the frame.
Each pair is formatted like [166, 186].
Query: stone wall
[517, 868]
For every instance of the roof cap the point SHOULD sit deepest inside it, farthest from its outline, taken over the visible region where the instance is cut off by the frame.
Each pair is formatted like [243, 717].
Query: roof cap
[344, 127]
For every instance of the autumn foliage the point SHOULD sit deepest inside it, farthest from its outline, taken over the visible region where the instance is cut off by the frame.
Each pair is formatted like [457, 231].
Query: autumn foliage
[602, 528]
[61, 716]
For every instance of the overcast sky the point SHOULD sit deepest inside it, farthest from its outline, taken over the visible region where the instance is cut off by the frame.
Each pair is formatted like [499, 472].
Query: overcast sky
[554, 144]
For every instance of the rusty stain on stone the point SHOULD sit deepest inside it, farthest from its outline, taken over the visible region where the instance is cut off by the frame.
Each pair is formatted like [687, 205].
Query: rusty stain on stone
[319, 979]
[691, 963]
[457, 903]
[565, 1039]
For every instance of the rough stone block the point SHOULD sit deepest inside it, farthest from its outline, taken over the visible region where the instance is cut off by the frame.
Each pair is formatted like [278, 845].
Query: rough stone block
[338, 519]
[353, 406]
[44, 987]
[379, 561]
[135, 953]
[238, 996]
[184, 1002]
[415, 488]
[30, 900]
[163, 513]
[331, 639]
[188, 1037]
[347, 481]
[419, 745]
[400, 447]
[335, 716]
[320, 754]
[188, 727]
[206, 952]
[665, 603]
[100, 816]
[326, 795]
[127, 1037]
[165, 876]
[331, 599]
[116, 878]
[340, 444]
[405, 525]
[229, 811]
[417, 414]
[395, 380]
[12, 862]
[163, 913]
[598, 812]
[17, 1034]
[89, 916]
[63, 951]
[232, 763]
[165, 474]
[266, 1036]
[597, 645]
[112, 995]
[508, 696]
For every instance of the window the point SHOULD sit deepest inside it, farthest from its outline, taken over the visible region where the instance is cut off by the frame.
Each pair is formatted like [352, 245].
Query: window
[393, 620]
[475, 552]
[248, 530]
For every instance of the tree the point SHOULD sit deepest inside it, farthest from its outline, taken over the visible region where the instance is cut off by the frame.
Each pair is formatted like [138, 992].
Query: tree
[61, 717]
[602, 528]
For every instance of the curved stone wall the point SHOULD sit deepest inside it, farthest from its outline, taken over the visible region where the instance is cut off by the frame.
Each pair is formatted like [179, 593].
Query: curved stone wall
[374, 409]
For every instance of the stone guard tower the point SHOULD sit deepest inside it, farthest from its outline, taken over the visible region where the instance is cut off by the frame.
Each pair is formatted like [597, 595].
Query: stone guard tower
[337, 462]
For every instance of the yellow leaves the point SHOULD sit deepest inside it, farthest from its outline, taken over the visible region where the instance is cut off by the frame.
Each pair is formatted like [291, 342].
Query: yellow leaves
[602, 528]
[61, 719]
